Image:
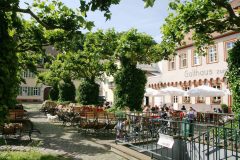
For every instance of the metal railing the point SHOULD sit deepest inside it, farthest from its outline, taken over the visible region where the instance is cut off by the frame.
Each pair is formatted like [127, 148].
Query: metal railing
[192, 141]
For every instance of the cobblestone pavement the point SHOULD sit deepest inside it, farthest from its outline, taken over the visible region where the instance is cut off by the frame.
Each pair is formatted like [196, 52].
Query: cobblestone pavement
[62, 139]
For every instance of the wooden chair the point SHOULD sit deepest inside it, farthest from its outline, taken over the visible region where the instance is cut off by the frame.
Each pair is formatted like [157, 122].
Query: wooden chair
[111, 121]
[77, 109]
[88, 121]
[17, 114]
[101, 120]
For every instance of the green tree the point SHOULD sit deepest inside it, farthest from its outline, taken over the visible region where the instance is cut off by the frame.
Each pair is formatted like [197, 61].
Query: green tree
[21, 40]
[67, 91]
[86, 63]
[9, 79]
[201, 18]
[129, 86]
[88, 93]
[132, 48]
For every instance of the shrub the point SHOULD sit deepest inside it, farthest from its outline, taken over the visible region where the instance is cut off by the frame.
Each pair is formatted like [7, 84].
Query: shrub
[224, 108]
[88, 92]
[67, 91]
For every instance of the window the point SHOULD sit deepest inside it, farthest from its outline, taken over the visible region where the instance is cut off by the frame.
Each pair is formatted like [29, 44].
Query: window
[29, 91]
[175, 99]
[24, 91]
[196, 59]
[28, 74]
[212, 54]
[36, 91]
[172, 64]
[186, 99]
[216, 100]
[200, 100]
[228, 46]
[183, 60]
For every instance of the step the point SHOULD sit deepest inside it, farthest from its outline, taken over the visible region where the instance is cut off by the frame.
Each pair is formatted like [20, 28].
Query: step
[128, 153]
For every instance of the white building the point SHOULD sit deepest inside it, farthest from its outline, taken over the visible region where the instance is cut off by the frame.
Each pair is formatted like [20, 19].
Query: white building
[107, 85]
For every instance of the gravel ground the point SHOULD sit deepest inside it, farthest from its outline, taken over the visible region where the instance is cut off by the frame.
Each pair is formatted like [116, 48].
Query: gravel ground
[67, 140]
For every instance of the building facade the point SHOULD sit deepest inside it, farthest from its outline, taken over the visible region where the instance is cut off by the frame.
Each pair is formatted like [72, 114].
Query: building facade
[107, 84]
[188, 69]
[30, 90]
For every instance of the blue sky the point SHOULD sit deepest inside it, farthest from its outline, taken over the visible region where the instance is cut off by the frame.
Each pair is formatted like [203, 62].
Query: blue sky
[129, 14]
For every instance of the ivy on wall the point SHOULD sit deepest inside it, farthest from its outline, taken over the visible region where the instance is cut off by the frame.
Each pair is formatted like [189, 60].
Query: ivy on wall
[233, 75]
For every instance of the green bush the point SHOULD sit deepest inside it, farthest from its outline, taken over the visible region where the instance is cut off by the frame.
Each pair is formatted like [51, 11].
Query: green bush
[54, 93]
[67, 91]
[224, 108]
[30, 155]
[88, 92]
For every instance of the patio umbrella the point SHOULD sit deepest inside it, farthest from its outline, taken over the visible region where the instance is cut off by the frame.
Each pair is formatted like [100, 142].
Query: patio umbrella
[150, 92]
[205, 91]
[158, 93]
[173, 91]
[227, 91]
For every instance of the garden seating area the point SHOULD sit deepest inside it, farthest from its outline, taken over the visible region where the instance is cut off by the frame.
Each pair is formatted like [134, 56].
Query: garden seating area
[19, 125]
[88, 118]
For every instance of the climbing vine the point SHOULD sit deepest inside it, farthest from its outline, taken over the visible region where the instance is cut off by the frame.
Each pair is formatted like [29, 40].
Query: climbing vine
[233, 75]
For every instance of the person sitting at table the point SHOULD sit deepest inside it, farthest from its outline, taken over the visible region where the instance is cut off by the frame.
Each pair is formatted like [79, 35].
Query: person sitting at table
[183, 108]
[191, 114]
[165, 105]
[219, 110]
[215, 110]
[163, 114]
[153, 109]
[168, 112]
[182, 114]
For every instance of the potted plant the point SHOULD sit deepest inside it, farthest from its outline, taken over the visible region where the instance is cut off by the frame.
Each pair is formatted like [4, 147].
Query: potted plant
[224, 108]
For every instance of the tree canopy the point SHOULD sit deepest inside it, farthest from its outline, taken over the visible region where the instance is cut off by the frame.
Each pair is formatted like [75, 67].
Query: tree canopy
[201, 18]
[132, 48]
[21, 40]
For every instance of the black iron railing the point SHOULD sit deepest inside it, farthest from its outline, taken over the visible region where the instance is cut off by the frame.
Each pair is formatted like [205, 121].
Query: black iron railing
[192, 140]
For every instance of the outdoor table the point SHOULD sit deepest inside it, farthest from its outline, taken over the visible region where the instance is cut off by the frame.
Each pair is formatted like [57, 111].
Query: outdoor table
[11, 128]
